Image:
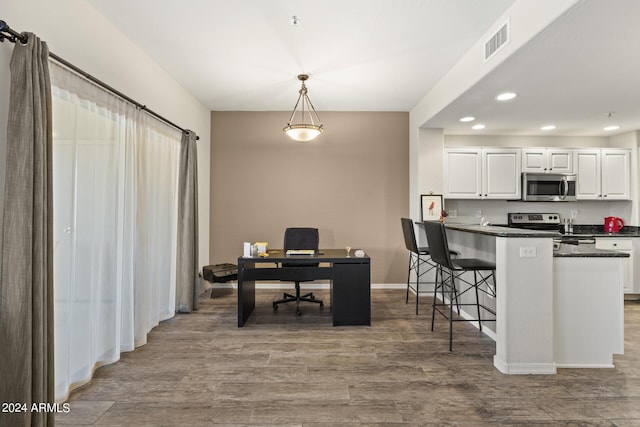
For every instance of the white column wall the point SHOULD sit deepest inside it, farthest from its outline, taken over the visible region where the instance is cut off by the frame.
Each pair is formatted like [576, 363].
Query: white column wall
[524, 343]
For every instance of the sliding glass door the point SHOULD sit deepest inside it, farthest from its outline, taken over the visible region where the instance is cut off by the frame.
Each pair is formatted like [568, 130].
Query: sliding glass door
[115, 210]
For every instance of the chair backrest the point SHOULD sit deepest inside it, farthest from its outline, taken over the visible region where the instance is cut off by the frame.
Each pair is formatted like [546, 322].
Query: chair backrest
[409, 235]
[438, 244]
[301, 238]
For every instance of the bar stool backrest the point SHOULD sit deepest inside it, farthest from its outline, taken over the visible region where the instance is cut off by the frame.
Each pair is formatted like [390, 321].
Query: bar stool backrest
[438, 244]
[409, 235]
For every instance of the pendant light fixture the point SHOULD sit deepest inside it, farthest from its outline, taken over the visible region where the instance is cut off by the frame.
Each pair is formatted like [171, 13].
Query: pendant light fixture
[304, 130]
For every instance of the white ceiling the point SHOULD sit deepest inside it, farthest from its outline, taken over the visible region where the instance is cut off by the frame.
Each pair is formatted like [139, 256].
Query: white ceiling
[385, 55]
[582, 67]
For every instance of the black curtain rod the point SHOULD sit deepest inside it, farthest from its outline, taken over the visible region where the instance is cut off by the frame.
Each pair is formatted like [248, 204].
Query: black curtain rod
[13, 36]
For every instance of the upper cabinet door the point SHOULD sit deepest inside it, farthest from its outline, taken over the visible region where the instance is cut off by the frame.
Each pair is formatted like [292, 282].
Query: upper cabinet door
[462, 173]
[616, 174]
[546, 160]
[587, 167]
[559, 160]
[603, 174]
[501, 173]
[475, 173]
[534, 160]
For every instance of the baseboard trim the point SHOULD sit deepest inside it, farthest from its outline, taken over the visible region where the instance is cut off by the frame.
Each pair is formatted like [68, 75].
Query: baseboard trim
[524, 368]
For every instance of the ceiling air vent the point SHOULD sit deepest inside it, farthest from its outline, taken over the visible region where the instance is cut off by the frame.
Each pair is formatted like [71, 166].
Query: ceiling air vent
[496, 42]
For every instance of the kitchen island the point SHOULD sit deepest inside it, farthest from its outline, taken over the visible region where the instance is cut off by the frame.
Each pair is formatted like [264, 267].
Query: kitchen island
[535, 294]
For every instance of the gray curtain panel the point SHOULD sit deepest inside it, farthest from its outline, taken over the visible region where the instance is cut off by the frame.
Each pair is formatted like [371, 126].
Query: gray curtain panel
[187, 281]
[26, 274]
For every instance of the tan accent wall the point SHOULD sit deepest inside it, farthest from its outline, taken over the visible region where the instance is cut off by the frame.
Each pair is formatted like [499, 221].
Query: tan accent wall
[352, 183]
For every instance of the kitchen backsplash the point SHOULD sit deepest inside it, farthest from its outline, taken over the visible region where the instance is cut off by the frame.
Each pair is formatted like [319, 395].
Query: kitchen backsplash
[495, 211]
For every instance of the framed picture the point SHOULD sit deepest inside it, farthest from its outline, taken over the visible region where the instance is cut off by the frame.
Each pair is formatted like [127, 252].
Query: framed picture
[431, 206]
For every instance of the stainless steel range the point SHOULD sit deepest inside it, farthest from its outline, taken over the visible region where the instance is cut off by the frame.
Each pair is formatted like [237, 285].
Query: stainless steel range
[534, 221]
[550, 222]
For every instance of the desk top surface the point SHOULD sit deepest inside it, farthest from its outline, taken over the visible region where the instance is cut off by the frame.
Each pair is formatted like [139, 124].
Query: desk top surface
[323, 255]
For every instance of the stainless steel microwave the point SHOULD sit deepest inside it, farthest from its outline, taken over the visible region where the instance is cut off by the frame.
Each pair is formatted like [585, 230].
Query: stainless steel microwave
[548, 187]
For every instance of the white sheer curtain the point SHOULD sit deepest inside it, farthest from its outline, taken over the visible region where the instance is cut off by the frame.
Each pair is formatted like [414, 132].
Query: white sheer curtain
[115, 210]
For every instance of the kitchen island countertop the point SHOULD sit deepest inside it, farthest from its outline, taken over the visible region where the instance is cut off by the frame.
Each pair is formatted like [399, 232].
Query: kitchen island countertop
[586, 251]
[500, 231]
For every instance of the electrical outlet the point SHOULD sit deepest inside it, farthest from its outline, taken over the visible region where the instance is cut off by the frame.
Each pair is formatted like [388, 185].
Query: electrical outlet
[453, 213]
[528, 252]
[478, 213]
[574, 213]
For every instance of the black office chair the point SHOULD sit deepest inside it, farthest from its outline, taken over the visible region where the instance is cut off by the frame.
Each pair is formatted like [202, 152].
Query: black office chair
[451, 271]
[419, 259]
[300, 238]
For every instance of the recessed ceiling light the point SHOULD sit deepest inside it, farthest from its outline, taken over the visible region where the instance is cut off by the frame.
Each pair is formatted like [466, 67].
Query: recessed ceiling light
[506, 96]
[467, 119]
[614, 127]
[548, 127]
[478, 126]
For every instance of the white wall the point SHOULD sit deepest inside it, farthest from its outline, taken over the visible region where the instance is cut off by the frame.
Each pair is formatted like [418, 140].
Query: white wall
[75, 31]
[525, 141]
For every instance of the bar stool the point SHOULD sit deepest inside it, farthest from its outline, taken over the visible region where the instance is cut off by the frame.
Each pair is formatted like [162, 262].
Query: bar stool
[451, 272]
[419, 259]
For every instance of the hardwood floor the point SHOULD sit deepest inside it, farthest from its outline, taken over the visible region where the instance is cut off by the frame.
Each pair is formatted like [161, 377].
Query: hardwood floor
[199, 369]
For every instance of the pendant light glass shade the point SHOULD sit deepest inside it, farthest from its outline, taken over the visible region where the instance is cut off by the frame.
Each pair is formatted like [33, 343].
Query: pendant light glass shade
[309, 126]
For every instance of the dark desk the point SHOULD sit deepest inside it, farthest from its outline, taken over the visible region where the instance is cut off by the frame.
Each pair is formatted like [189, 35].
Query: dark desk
[350, 281]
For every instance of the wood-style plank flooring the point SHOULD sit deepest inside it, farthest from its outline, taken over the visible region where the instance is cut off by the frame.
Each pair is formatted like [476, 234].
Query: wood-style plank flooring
[199, 369]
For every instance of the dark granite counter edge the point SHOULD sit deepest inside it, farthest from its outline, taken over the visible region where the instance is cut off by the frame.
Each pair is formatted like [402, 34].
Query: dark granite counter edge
[598, 231]
[581, 231]
[498, 231]
[586, 251]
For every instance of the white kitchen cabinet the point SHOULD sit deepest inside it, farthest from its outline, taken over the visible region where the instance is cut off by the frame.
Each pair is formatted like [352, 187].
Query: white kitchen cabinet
[547, 160]
[588, 311]
[482, 173]
[622, 245]
[463, 173]
[634, 284]
[501, 169]
[616, 174]
[603, 174]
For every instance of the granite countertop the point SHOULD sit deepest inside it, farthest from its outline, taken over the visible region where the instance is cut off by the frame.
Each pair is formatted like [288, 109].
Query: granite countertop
[598, 231]
[579, 230]
[500, 231]
[560, 249]
[585, 251]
